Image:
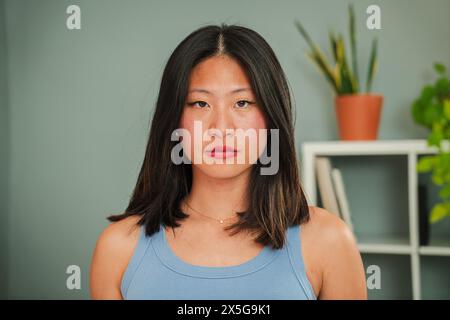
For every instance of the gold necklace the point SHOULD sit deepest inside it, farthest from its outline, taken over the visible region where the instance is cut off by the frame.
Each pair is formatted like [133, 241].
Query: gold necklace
[220, 220]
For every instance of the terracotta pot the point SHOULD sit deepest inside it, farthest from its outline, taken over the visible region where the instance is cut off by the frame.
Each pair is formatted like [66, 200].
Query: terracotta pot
[358, 116]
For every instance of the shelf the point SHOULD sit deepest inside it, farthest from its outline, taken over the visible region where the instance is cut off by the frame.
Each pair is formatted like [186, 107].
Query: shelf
[435, 278]
[384, 244]
[438, 233]
[377, 147]
[381, 181]
[395, 276]
[436, 247]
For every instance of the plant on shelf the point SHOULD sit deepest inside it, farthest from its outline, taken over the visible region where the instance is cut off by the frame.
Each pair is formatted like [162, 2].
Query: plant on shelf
[432, 110]
[358, 113]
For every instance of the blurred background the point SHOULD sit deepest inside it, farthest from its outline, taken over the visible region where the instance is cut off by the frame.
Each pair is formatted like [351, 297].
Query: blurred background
[75, 109]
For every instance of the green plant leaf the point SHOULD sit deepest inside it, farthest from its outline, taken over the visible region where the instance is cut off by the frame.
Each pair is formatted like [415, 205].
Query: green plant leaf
[335, 54]
[427, 94]
[444, 193]
[337, 76]
[447, 176]
[432, 110]
[418, 113]
[442, 88]
[320, 61]
[372, 65]
[347, 81]
[446, 105]
[333, 45]
[426, 163]
[439, 67]
[438, 212]
[437, 177]
[352, 31]
[432, 114]
[318, 57]
[446, 132]
[304, 33]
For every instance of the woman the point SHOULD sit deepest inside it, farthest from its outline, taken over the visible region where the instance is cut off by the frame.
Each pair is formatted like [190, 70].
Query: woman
[220, 230]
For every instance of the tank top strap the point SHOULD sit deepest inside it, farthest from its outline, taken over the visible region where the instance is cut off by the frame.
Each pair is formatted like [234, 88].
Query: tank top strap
[294, 249]
[136, 259]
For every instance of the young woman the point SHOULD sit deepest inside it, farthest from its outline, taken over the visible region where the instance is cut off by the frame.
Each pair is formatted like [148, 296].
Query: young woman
[212, 230]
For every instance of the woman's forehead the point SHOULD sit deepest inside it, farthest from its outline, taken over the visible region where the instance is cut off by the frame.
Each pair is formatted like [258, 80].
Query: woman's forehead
[218, 74]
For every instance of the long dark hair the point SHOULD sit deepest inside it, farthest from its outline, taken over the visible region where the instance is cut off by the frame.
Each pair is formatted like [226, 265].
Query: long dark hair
[275, 201]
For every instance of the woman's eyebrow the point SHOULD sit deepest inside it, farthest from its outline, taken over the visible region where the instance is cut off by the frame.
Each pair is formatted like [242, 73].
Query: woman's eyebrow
[200, 90]
[240, 90]
[208, 92]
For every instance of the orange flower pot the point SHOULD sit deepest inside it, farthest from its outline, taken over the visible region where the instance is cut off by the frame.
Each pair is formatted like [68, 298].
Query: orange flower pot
[358, 116]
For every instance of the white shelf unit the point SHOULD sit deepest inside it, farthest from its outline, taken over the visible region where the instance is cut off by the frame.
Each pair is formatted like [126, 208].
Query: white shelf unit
[389, 244]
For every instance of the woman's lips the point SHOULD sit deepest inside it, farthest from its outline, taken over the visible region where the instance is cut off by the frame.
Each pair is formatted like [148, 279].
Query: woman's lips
[222, 152]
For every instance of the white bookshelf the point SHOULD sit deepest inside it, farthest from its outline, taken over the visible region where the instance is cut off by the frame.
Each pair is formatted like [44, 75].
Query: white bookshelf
[381, 244]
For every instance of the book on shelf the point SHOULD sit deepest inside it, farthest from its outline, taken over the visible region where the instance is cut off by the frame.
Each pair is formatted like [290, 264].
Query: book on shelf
[332, 190]
[325, 184]
[342, 197]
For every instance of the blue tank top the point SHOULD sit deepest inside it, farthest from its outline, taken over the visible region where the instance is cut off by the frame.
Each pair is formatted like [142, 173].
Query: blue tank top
[154, 272]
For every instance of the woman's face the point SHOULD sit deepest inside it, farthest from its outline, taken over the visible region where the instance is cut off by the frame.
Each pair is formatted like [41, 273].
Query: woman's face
[220, 101]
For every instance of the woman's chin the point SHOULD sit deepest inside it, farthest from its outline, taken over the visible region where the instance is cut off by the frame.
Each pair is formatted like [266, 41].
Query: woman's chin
[223, 171]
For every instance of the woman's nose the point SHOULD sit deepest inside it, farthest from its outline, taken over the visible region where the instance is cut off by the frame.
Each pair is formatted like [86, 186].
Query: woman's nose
[219, 122]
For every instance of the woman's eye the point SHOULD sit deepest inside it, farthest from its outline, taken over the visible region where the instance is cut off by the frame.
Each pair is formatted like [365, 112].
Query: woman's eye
[243, 104]
[200, 104]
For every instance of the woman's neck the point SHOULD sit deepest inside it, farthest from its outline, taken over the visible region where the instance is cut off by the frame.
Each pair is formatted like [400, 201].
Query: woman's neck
[218, 198]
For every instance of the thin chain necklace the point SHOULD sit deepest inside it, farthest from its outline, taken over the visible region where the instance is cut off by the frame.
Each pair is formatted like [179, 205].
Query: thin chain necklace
[220, 220]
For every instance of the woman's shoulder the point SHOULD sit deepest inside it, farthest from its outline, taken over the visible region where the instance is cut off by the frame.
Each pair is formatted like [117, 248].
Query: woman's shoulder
[120, 236]
[326, 227]
[329, 248]
[326, 233]
[113, 250]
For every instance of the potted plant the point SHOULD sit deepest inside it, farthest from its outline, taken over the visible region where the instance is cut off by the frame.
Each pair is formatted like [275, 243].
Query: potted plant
[432, 110]
[358, 113]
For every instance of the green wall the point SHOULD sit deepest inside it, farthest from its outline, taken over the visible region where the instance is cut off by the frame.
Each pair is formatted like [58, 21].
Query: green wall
[4, 155]
[75, 106]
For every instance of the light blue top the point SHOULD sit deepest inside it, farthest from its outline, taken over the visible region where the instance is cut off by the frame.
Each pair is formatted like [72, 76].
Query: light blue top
[156, 273]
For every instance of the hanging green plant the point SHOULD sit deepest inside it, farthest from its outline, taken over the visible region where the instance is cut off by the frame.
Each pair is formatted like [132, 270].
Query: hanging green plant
[432, 110]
